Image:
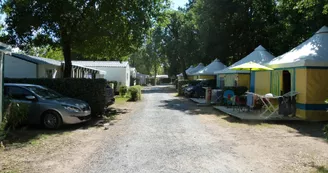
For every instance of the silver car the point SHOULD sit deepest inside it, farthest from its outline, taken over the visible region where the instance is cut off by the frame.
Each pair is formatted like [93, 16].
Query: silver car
[46, 106]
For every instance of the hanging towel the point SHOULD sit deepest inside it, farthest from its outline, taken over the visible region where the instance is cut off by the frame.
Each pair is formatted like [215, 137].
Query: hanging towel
[250, 100]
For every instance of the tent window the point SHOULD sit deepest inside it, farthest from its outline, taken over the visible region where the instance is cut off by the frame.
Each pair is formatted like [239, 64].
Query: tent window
[286, 82]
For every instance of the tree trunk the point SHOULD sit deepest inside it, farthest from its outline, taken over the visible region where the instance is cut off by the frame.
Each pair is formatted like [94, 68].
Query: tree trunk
[155, 75]
[68, 61]
[183, 65]
[66, 46]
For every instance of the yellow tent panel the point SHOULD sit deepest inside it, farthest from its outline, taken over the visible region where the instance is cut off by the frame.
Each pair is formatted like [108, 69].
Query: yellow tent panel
[209, 77]
[262, 82]
[301, 85]
[244, 80]
[317, 86]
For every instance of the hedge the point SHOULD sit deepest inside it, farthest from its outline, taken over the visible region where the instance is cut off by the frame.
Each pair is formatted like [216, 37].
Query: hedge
[135, 92]
[91, 91]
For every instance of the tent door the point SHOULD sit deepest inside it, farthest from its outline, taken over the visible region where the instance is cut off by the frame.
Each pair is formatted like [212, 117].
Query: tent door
[286, 82]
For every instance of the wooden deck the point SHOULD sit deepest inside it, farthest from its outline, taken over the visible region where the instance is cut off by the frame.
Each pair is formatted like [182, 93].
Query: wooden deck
[254, 116]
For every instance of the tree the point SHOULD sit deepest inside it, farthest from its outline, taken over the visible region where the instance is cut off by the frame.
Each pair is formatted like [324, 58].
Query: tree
[94, 28]
[181, 41]
[46, 52]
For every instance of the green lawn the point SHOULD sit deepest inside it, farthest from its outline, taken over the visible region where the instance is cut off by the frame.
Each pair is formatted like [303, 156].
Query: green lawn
[121, 100]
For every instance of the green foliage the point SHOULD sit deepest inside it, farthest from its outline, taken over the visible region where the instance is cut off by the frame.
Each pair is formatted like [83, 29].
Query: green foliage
[240, 90]
[91, 91]
[92, 28]
[230, 30]
[15, 114]
[46, 52]
[135, 92]
[325, 131]
[123, 91]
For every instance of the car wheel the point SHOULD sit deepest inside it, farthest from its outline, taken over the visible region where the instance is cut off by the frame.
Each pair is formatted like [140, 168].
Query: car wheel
[51, 120]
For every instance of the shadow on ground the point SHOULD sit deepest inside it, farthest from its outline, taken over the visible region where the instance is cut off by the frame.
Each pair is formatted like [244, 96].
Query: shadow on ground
[313, 129]
[30, 134]
[159, 89]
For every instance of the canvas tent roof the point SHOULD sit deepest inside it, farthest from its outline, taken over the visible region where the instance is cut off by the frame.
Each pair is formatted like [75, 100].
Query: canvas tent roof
[312, 52]
[260, 55]
[187, 71]
[216, 65]
[199, 67]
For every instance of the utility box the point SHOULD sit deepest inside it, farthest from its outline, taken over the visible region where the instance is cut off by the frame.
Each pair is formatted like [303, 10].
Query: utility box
[208, 95]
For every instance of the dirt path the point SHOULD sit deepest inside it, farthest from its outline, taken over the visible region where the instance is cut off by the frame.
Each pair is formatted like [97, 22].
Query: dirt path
[164, 133]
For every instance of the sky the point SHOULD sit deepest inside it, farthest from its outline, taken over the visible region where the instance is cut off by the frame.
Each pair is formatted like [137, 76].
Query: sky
[177, 3]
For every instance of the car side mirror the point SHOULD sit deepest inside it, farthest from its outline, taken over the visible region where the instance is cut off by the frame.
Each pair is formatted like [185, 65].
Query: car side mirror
[32, 98]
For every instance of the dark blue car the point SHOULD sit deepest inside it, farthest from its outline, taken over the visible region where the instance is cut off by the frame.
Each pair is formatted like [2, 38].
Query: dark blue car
[198, 91]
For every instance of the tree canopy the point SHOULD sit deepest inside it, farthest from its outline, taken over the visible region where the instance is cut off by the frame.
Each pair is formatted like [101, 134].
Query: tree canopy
[94, 28]
[230, 29]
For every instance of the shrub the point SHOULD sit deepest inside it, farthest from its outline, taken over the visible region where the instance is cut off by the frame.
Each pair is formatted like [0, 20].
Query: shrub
[135, 92]
[15, 114]
[91, 91]
[123, 90]
[325, 131]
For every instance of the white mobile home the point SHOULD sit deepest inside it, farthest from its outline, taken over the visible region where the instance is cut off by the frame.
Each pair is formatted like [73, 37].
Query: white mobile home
[115, 70]
[23, 66]
[26, 66]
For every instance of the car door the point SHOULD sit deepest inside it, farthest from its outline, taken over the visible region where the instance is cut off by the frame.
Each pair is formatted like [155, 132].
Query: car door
[16, 94]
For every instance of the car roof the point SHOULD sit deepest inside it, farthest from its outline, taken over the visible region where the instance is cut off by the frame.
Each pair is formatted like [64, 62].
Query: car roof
[22, 85]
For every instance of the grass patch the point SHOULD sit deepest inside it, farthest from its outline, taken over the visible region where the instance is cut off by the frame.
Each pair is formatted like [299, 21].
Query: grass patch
[25, 137]
[121, 100]
[9, 171]
[321, 169]
[38, 139]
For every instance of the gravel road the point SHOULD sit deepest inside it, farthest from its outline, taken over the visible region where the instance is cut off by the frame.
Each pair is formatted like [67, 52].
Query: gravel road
[166, 134]
[162, 137]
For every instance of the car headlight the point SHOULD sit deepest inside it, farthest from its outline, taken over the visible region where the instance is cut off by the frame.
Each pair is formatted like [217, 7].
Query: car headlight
[71, 108]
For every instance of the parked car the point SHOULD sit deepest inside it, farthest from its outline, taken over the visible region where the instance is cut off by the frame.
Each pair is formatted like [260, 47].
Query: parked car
[197, 91]
[47, 107]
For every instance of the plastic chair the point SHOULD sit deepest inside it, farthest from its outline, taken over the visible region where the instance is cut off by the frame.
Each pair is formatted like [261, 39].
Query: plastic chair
[227, 96]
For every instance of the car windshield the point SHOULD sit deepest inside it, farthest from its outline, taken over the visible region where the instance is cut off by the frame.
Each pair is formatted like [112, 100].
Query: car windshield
[45, 93]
